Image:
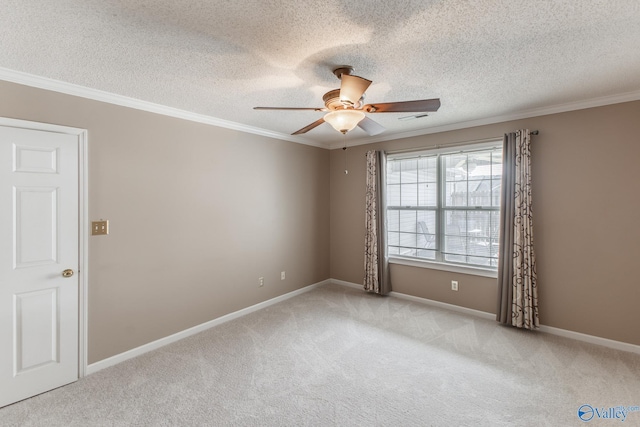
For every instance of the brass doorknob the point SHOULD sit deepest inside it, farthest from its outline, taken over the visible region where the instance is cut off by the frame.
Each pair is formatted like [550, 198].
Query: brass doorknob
[67, 273]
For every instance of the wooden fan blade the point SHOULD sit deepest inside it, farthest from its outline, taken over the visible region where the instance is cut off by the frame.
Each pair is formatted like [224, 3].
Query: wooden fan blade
[309, 127]
[418, 106]
[371, 126]
[289, 108]
[352, 88]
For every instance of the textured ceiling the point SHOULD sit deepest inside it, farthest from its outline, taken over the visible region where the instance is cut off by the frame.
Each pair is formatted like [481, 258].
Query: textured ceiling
[220, 58]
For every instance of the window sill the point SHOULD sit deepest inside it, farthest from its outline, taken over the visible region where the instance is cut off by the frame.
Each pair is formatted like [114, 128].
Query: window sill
[454, 268]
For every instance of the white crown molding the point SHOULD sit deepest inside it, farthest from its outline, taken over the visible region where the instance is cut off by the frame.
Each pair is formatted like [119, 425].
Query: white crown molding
[605, 342]
[124, 101]
[542, 111]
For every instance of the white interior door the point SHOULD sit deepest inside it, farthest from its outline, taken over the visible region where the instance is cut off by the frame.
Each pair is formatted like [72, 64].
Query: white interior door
[38, 242]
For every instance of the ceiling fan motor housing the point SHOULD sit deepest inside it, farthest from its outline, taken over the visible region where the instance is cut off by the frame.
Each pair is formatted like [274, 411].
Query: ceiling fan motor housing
[332, 101]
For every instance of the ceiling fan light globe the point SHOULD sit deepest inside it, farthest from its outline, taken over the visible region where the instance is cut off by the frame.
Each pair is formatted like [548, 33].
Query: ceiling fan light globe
[344, 120]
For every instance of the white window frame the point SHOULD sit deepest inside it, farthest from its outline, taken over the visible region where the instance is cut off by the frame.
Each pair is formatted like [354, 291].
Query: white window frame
[439, 263]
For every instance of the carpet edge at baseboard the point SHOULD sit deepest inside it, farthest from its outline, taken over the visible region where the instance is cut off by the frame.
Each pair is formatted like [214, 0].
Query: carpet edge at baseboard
[154, 345]
[605, 342]
[119, 358]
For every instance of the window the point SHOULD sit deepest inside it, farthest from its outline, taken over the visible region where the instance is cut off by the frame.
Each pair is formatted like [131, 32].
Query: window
[445, 206]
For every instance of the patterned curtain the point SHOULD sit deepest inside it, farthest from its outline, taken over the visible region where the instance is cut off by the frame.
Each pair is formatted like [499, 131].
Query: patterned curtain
[517, 281]
[376, 260]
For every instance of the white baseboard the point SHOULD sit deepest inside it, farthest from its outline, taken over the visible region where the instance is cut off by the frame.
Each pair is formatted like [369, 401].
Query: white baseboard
[452, 307]
[347, 284]
[605, 342]
[118, 358]
[446, 306]
[617, 345]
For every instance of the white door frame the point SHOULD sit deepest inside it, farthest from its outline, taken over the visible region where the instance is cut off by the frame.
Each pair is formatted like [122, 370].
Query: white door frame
[83, 224]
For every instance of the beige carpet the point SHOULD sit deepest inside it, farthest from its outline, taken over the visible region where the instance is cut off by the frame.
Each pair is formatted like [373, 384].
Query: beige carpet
[339, 357]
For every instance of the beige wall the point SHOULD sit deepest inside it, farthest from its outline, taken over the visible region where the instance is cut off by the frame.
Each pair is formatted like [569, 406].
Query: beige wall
[586, 211]
[197, 214]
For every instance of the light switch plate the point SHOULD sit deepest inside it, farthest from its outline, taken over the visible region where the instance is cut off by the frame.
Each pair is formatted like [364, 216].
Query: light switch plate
[99, 228]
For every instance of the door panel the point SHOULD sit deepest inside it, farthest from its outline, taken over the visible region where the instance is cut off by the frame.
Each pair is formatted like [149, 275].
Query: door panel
[36, 228]
[36, 324]
[38, 241]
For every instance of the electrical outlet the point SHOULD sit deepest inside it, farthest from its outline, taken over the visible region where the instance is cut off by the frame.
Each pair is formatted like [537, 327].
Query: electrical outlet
[454, 285]
[260, 282]
[282, 275]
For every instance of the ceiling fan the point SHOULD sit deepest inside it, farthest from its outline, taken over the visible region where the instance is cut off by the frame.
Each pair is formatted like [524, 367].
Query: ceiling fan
[345, 109]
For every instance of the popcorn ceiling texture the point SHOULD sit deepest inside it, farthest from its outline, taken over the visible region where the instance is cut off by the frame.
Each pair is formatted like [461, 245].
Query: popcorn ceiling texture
[483, 58]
